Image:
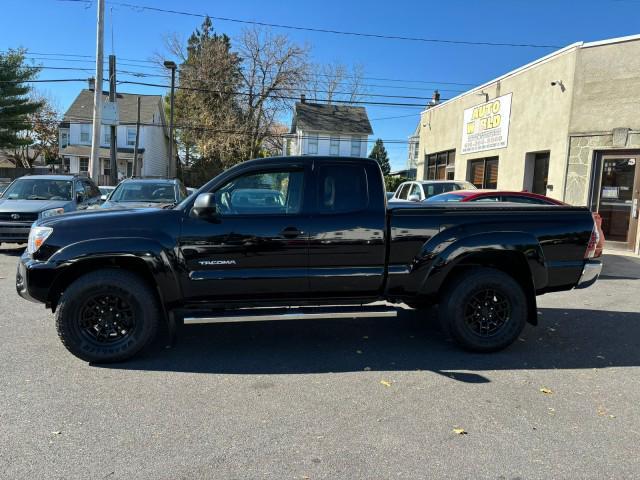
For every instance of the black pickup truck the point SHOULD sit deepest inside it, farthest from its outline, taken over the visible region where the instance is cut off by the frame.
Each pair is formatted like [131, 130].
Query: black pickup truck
[294, 238]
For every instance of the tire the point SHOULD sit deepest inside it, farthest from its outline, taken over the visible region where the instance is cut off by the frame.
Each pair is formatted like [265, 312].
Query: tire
[483, 310]
[89, 326]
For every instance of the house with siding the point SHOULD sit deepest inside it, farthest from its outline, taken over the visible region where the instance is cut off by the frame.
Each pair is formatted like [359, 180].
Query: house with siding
[328, 130]
[153, 144]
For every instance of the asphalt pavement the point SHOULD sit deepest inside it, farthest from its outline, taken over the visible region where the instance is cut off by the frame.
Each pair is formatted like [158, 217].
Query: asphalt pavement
[379, 398]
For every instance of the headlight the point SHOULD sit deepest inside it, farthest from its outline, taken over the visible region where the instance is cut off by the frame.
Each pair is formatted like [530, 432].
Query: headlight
[51, 212]
[37, 236]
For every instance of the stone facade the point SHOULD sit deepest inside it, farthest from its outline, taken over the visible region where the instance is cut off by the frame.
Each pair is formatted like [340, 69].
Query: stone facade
[581, 160]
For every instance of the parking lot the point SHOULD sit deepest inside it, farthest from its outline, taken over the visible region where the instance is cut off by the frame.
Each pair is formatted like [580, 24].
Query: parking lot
[332, 399]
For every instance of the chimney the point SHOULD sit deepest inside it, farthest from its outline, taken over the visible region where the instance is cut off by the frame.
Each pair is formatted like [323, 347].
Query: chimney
[436, 97]
[303, 98]
[92, 83]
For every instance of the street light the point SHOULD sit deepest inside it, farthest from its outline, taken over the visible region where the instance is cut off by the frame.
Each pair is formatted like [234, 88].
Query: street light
[171, 66]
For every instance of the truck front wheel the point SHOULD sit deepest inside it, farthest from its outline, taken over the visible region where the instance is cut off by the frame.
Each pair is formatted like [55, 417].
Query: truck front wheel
[107, 316]
[483, 309]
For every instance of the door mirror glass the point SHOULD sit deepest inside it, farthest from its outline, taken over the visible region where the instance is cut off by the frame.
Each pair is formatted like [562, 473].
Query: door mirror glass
[414, 198]
[204, 206]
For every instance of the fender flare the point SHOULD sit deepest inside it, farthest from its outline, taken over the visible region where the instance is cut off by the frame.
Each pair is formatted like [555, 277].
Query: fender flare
[446, 255]
[157, 259]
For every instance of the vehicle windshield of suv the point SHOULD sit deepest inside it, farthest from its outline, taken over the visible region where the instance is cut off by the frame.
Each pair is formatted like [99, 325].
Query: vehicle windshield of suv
[160, 192]
[445, 197]
[39, 189]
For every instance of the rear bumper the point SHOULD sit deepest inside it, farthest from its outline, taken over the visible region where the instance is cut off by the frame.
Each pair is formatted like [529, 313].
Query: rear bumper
[590, 273]
[14, 232]
[34, 279]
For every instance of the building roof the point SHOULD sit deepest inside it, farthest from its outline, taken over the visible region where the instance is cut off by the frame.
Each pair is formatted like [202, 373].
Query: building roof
[81, 110]
[330, 118]
[534, 63]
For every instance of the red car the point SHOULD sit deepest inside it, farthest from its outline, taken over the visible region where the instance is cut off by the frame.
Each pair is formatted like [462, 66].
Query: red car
[513, 197]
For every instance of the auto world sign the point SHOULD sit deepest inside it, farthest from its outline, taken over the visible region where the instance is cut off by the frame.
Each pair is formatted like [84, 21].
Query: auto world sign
[486, 126]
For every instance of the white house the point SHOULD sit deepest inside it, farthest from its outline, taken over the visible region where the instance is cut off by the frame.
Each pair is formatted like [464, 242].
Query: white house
[329, 130]
[153, 144]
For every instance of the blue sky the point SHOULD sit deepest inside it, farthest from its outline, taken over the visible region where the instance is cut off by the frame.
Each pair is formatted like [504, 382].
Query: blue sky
[52, 26]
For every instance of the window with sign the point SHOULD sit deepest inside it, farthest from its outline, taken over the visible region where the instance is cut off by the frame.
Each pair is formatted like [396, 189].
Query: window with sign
[483, 172]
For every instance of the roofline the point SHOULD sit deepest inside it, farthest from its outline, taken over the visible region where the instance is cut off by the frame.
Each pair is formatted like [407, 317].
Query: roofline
[573, 46]
[518, 70]
[610, 41]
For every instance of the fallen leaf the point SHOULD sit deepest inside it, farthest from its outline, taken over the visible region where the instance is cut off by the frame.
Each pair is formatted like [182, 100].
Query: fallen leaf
[546, 391]
[57, 432]
[366, 337]
[385, 383]
[602, 411]
[367, 369]
[460, 431]
[600, 357]
[359, 352]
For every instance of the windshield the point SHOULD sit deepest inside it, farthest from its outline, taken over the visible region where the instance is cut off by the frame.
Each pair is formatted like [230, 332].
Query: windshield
[39, 189]
[152, 192]
[446, 197]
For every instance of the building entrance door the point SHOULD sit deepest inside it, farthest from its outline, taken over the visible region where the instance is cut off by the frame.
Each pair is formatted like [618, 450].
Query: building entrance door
[618, 199]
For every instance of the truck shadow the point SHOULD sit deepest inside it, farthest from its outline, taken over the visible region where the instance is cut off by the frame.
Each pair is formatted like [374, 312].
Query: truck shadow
[564, 339]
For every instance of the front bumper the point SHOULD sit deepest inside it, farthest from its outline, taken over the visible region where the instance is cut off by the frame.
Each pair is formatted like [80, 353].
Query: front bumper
[14, 232]
[590, 273]
[34, 279]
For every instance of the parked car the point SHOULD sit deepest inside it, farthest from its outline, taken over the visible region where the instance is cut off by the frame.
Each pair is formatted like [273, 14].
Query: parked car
[325, 247]
[105, 191]
[36, 197]
[419, 190]
[513, 197]
[146, 192]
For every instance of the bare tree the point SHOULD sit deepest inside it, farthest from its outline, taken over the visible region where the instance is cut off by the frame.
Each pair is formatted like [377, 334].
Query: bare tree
[274, 71]
[336, 82]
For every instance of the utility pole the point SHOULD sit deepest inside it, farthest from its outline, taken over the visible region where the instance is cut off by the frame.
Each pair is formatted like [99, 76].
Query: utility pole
[135, 148]
[94, 161]
[113, 162]
[172, 66]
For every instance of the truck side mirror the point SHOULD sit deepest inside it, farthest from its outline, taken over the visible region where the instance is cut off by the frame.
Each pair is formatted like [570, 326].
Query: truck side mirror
[204, 206]
[414, 198]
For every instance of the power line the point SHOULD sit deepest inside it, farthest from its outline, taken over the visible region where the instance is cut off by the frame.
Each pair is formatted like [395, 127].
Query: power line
[283, 97]
[140, 8]
[91, 59]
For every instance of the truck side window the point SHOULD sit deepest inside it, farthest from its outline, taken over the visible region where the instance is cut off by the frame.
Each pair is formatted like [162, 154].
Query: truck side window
[262, 193]
[342, 188]
[404, 192]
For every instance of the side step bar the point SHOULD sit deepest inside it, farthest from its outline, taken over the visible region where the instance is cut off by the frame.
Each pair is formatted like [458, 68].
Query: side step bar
[294, 313]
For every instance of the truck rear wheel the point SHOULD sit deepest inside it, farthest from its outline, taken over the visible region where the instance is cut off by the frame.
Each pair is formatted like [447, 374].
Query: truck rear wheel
[107, 316]
[484, 310]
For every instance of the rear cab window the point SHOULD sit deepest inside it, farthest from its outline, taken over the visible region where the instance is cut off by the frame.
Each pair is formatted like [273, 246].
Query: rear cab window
[342, 189]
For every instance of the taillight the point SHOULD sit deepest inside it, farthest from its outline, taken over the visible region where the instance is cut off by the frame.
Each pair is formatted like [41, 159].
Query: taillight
[591, 246]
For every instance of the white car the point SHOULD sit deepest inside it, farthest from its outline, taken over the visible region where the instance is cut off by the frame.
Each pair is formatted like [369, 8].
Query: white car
[419, 190]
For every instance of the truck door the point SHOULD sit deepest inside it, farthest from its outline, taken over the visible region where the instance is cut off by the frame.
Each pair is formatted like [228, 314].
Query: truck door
[256, 246]
[347, 232]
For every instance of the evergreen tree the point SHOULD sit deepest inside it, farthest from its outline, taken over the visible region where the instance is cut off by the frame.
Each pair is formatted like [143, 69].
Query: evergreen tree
[379, 154]
[16, 107]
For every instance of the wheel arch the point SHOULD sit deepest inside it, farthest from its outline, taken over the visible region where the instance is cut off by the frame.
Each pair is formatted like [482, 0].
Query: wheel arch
[515, 253]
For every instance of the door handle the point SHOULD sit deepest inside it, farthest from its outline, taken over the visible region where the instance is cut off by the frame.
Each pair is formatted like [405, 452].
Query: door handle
[291, 232]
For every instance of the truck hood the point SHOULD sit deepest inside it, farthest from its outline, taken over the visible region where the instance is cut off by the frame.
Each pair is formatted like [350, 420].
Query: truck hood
[30, 206]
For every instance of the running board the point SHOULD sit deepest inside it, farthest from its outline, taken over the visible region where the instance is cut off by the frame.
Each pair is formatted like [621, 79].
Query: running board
[294, 313]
